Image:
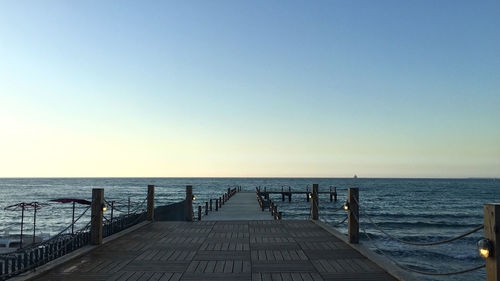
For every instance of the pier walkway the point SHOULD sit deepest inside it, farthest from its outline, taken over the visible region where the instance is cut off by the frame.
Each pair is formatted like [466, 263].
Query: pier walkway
[223, 250]
[239, 242]
[242, 206]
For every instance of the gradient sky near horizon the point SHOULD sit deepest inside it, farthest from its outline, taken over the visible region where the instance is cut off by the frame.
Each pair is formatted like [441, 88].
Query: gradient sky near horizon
[250, 88]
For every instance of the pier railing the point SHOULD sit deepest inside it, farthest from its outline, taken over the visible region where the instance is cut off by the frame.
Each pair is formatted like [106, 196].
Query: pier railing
[37, 254]
[353, 209]
[104, 222]
[219, 202]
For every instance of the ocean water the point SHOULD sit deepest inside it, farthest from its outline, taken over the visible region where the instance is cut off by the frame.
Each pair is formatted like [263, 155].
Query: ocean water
[419, 210]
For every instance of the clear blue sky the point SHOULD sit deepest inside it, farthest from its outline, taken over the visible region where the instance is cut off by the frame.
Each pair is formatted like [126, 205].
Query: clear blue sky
[250, 88]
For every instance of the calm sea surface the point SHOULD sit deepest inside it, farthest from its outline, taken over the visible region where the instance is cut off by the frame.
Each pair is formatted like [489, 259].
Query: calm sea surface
[420, 210]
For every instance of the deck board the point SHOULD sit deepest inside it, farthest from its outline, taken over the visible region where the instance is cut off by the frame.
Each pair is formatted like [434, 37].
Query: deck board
[223, 250]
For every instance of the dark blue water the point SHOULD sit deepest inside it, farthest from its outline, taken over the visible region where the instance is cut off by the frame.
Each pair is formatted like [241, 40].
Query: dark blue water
[420, 210]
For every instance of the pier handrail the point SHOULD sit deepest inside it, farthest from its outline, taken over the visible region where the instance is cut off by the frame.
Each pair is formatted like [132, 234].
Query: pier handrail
[46, 250]
[341, 222]
[415, 244]
[416, 270]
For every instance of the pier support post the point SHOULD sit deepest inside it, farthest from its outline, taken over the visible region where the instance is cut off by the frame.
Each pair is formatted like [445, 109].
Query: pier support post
[331, 194]
[335, 194]
[96, 216]
[492, 233]
[216, 205]
[189, 203]
[151, 203]
[353, 215]
[206, 208]
[314, 202]
[199, 212]
[210, 205]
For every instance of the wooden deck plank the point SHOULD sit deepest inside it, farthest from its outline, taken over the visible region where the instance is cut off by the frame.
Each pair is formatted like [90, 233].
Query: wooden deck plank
[229, 250]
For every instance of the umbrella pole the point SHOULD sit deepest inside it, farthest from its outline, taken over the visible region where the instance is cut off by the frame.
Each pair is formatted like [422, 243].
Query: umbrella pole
[34, 224]
[22, 222]
[73, 219]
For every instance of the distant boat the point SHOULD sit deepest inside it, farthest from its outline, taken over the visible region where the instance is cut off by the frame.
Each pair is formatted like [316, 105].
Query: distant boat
[355, 176]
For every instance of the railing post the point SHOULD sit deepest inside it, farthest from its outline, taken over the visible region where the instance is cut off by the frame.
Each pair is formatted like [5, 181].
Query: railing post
[210, 205]
[314, 202]
[216, 205]
[353, 215]
[199, 212]
[206, 208]
[492, 233]
[189, 203]
[96, 216]
[151, 203]
[228, 192]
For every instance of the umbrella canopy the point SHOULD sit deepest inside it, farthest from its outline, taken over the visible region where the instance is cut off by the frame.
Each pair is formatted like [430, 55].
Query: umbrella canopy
[70, 200]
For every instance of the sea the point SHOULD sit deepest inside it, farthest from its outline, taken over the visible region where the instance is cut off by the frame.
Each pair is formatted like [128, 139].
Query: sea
[418, 210]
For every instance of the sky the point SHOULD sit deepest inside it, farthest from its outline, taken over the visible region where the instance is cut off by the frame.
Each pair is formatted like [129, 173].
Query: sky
[250, 88]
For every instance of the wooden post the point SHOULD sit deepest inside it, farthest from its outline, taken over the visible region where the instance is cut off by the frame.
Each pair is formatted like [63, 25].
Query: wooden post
[189, 203]
[216, 205]
[314, 202]
[335, 194]
[331, 194]
[151, 203]
[289, 194]
[199, 212]
[228, 192]
[210, 205]
[282, 194]
[206, 208]
[492, 233]
[96, 216]
[353, 215]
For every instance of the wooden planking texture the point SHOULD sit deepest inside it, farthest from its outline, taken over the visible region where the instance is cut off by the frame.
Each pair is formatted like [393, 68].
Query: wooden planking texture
[223, 250]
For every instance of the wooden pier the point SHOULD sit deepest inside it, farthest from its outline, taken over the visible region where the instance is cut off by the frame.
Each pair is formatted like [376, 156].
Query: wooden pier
[248, 246]
[289, 192]
[223, 250]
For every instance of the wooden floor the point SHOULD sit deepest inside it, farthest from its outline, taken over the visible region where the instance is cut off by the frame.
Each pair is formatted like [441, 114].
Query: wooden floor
[241, 206]
[223, 250]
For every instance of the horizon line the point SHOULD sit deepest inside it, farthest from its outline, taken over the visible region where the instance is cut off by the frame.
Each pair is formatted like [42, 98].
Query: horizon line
[231, 177]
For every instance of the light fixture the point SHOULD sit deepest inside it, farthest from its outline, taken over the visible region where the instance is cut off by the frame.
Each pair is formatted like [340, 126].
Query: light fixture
[104, 207]
[310, 196]
[484, 247]
[194, 197]
[346, 206]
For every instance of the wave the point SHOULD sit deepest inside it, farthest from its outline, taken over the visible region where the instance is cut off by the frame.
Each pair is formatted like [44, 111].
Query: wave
[420, 216]
[419, 238]
[420, 224]
[431, 255]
